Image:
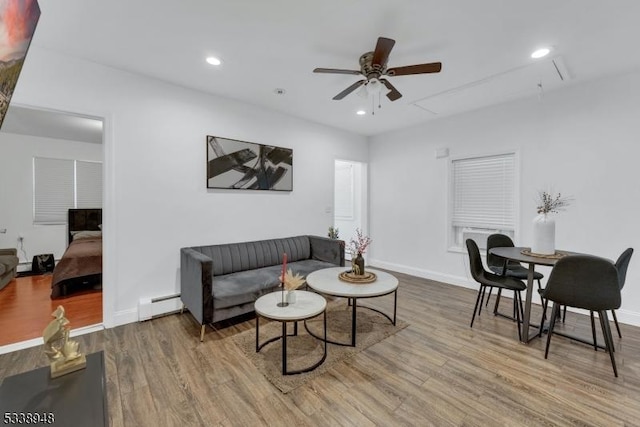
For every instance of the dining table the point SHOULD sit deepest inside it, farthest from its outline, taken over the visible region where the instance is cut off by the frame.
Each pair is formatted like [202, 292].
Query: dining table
[524, 255]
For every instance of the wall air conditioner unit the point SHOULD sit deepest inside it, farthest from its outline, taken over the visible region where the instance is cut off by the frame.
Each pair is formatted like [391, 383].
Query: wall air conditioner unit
[478, 235]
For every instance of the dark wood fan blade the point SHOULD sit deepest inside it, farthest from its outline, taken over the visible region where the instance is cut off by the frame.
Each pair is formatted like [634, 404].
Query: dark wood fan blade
[335, 71]
[348, 90]
[393, 94]
[381, 54]
[433, 67]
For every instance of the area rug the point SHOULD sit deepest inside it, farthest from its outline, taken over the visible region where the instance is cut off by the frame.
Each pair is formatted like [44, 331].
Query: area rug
[304, 350]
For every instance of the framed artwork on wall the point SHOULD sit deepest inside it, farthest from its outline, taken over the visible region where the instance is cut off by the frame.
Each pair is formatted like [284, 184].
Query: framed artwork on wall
[234, 164]
[18, 20]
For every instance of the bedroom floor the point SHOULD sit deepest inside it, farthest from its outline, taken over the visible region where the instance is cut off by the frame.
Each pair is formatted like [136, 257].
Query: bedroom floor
[26, 307]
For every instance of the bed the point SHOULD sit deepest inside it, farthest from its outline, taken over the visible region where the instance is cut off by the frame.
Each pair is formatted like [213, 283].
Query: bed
[80, 267]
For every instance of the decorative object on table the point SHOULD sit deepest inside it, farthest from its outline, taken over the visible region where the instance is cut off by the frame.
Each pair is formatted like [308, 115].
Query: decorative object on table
[357, 247]
[61, 351]
[333, 233]
[18, 20]
[291, 282]
[555, 255]
[282, 302]
[351, 277]
[544, 226]
[233, 164]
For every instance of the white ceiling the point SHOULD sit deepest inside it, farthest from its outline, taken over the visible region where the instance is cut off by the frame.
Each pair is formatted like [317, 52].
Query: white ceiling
[483, 45]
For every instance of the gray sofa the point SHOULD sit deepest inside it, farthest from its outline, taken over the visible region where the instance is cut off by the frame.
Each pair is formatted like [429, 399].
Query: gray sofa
[219, 282]
[8, 264]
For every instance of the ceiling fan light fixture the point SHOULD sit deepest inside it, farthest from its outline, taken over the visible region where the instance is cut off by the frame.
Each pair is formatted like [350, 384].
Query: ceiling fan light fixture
[540, 53]
[361, 112]
[374, 86]
[212, 60]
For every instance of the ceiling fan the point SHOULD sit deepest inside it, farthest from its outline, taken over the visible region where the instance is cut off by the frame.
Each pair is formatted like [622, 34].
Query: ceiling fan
[373, 66]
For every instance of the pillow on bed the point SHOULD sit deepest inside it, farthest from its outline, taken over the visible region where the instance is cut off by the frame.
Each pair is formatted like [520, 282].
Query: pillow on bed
[86, 234]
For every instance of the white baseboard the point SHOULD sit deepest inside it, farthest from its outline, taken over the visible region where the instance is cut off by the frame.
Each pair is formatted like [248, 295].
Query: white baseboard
[124, 317]
[425, 274]
[624, 316]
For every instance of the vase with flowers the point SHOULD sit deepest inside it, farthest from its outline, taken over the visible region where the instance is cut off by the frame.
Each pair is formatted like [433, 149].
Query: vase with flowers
[356, 248]
[291, 282]
[544, 225]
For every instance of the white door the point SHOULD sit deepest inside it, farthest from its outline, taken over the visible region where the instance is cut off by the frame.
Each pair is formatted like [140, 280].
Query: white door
[350, 198]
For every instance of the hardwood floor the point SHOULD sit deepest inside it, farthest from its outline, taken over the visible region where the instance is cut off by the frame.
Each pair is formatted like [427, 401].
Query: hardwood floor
[26, 307]
[437, 371]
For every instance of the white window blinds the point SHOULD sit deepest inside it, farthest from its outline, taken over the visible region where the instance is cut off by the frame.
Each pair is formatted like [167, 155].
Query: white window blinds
[53, 190]
[88, 184]
[484, 190]
[61, 184]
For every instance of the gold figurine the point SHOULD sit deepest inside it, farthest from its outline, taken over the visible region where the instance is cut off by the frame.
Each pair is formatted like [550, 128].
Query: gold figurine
[61, 351]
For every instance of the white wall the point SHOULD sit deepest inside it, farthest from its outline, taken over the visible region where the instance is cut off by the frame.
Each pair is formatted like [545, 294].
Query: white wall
[16, 183]
[156, 199]
[582, 140]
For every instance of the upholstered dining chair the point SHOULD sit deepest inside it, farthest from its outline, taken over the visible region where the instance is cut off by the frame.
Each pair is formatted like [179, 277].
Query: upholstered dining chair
[487, 279]
[587, 282]
[513, 268]
[621, 265]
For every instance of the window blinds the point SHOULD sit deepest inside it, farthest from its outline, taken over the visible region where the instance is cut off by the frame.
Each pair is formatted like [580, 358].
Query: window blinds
[484, 192]
[61, 184]
[53, 190]
[88, 184]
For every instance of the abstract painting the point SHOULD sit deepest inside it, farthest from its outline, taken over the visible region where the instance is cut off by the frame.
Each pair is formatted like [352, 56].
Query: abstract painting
[245, 165]
[18, 20]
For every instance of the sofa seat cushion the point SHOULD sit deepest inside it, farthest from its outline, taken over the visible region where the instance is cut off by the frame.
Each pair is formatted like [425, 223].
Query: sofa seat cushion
[247, 286]
[3, 269]
[307, 266]
[244, 286]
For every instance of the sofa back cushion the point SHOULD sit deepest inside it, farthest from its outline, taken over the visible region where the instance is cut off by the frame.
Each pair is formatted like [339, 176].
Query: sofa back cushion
[234, 257]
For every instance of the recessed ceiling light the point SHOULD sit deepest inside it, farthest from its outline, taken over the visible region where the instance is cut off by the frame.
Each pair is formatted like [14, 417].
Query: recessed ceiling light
[213, 60]
[361, 112]
[540, 53]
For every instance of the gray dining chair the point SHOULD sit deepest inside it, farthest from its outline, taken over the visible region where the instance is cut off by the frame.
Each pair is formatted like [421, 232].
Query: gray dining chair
[621, 266]
[513, 268]
[586, 282]
[487, 279]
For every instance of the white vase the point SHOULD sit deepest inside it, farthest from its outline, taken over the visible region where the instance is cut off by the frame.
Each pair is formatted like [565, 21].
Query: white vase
[544, 235]
[291, 297]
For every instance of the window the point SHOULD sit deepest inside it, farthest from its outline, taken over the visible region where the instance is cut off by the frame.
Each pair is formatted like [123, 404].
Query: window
[62, 184]
[482, 198]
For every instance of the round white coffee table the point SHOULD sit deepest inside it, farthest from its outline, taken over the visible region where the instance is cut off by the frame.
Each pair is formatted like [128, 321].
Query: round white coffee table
[327, 282]
[306, 306]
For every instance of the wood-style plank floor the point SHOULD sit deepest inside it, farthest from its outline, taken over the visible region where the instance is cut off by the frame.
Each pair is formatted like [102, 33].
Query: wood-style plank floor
[437, 371]
[26, 307]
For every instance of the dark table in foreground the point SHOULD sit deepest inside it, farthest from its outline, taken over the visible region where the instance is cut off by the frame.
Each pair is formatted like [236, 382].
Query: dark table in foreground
[76, 399]
[515, 254]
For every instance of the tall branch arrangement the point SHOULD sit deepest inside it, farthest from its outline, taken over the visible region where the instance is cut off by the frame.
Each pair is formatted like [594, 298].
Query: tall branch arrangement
[548, 203]
[358, 244]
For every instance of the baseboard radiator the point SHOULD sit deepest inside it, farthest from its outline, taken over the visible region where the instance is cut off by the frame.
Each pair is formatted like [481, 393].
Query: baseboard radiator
[150, 308]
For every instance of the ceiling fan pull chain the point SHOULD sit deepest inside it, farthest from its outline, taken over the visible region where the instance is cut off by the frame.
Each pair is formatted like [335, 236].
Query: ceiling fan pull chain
[379, 104]
[373, 107]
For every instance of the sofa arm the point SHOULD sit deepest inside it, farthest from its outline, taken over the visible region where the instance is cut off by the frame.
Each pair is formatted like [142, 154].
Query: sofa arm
[11, 251]
[328, 250]
[195, 284]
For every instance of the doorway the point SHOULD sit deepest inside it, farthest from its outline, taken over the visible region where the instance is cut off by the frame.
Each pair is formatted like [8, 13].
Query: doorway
[32, 136]
[350, 198]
